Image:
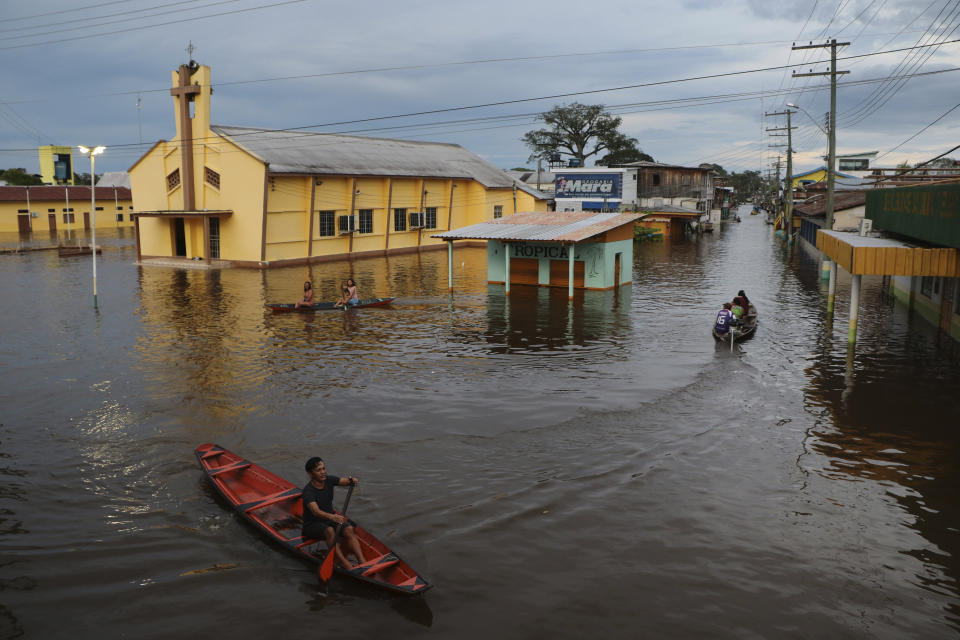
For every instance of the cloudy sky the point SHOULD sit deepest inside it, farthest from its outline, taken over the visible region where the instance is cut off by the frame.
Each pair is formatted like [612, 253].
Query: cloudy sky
[691, 79]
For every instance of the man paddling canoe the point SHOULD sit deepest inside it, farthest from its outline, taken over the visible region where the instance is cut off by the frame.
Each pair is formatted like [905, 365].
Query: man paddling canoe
[319, 517]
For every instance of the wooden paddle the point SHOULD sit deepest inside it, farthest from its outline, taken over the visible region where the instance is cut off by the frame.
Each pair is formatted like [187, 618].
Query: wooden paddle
[326, 566]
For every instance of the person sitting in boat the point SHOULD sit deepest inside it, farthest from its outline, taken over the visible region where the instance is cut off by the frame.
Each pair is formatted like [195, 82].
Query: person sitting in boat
[344, 296]
[744, 303]
[352, 297]
[307, 299]
[736, 309]
[319, 518]
[725, 319]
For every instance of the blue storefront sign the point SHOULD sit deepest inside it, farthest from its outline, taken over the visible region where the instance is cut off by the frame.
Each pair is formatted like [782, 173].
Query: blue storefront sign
[589, 185]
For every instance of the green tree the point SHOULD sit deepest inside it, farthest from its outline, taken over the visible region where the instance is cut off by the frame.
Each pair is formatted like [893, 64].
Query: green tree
[577, 130]
[623, 151]
[19, 177]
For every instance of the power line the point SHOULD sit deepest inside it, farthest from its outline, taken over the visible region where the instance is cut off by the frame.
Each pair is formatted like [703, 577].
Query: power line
[58, 12]
[150, 26]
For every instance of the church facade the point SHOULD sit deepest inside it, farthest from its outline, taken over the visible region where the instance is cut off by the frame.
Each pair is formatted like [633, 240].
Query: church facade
[234, 196]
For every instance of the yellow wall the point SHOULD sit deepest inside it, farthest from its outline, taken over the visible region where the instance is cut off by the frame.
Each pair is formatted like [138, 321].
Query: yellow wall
[105, 219]
[816, 176]
[284, 234]
[46, 153]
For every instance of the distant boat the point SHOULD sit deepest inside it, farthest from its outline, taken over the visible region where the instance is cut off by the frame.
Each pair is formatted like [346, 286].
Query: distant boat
[330, 306]
[65, 251]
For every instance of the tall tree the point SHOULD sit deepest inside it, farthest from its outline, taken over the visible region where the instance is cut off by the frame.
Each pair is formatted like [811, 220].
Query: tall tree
[577, 130]
[622, 151]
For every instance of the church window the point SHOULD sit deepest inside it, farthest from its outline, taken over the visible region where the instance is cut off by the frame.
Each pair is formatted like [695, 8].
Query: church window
[212, 177]
[325, 223]
[365, 222]
[173, 180]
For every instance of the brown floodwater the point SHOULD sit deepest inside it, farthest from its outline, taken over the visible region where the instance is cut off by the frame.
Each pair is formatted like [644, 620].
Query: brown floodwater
[557, 470]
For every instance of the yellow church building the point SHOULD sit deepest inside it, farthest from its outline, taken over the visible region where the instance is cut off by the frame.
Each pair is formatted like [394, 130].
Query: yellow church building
[235, 196]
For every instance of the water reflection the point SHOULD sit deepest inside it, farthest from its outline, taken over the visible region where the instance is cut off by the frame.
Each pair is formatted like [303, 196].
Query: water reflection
[888, 408]
[543, 319]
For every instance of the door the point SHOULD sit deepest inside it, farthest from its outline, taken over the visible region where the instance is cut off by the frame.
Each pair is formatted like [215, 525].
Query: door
[179, 239]
[560, 273]
[214, 238]
[23, 223]
[616, 269]
[524, 271]
[86, 220]
[52, 219]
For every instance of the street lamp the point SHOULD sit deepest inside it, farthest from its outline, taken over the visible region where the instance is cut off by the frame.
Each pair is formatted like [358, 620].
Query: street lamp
[796, 106]
[93, 153]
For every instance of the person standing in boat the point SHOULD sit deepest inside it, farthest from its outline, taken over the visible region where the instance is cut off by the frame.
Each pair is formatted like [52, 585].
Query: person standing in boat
[320, 520]
[307, 299]
[725, 318]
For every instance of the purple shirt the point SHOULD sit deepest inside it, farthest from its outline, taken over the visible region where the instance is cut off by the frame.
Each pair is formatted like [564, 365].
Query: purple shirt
[723, 321]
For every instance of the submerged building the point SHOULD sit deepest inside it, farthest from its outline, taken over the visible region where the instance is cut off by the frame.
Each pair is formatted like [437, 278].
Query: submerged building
[261, 197]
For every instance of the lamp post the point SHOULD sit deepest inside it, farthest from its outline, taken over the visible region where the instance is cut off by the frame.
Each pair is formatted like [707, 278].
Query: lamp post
[93, 153]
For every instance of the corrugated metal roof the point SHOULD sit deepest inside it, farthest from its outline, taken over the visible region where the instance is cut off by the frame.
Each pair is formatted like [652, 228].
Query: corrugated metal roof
[322, 153]
[114, 179]
[48, 192]
[542, 226]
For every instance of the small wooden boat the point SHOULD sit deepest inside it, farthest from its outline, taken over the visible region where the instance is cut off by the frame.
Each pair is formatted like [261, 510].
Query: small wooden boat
[274, 506]
[65, 251]
[330, 306]
[746, 328]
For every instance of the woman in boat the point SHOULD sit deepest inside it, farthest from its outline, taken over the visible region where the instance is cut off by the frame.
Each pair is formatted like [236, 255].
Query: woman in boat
[344, 296]
[320, 520]
[307, 299]
[352, 296]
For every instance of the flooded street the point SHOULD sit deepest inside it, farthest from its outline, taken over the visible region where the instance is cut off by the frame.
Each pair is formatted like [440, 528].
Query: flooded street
[556, 469]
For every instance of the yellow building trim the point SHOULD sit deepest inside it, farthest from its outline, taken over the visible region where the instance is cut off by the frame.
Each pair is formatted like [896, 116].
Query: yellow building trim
[860, 255]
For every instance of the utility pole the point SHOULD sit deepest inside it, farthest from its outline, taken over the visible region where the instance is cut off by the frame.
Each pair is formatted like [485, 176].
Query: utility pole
[828, 267]
[832, 131]
[788, 183]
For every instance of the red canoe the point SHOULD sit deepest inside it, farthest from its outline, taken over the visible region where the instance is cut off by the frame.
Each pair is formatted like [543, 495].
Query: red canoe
[273, 506]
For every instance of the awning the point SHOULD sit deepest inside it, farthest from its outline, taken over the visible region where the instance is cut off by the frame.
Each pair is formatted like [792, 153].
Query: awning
[864, 255]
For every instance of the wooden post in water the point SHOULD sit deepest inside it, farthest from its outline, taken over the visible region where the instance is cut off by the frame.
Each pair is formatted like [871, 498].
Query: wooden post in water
[450, 266]
[506, 266]
[832, 287]
[854, 308]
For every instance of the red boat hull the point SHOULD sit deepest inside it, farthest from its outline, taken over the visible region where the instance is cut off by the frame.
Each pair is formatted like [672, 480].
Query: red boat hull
[274, 506]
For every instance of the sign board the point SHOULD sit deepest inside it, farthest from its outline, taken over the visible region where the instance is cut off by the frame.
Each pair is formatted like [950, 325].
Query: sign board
[525, 250]
[854, 164]
[930, 213]
[589, 185]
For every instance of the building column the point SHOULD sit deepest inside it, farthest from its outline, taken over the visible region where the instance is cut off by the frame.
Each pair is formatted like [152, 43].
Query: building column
[136, 234]
[506, 266]
[854, 309]
[570, 272]
[450, 265]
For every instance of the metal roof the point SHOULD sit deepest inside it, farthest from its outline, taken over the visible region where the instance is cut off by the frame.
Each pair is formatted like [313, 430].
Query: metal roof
[542, 226]
[324, 153]
[49, 192]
